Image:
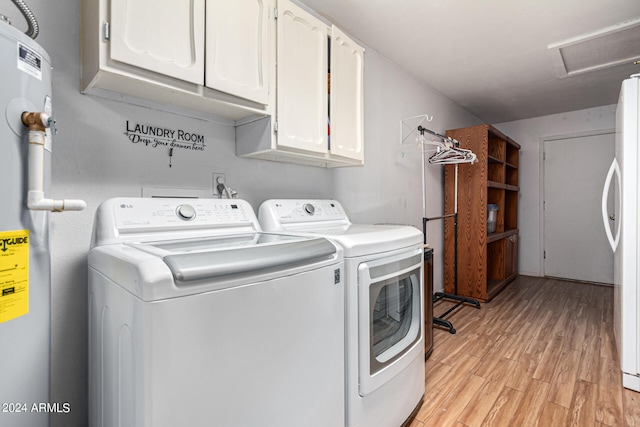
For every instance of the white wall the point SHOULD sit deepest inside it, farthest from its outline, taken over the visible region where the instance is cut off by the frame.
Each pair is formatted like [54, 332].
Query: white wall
[530, 133]
[93, 160]
[389, 188]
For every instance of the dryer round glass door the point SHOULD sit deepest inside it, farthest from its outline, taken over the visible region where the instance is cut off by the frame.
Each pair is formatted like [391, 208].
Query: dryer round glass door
[390, 323]
[391, 313]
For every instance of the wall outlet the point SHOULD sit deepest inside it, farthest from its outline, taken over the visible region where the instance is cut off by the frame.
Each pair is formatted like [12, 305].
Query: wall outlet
[217, 179]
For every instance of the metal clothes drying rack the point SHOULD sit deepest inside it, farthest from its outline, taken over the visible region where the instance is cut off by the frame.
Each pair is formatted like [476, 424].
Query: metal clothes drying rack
[441, 157]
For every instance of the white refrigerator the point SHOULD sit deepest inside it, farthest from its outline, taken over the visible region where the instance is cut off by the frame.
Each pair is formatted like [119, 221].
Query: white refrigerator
[621, 215]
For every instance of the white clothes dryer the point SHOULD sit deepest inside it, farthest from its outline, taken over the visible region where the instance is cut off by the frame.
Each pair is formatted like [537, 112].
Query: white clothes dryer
[196, 318]
[384, 306]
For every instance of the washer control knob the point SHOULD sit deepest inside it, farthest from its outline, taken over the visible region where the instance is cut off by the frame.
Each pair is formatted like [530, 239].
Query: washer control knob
[186, 212]
[309, 209]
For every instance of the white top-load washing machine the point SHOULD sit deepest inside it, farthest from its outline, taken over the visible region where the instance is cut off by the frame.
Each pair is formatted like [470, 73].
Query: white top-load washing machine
[384, 306]
[199, 319]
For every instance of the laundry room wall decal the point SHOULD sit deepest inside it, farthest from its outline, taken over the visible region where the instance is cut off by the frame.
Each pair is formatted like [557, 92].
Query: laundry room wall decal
[158, 136]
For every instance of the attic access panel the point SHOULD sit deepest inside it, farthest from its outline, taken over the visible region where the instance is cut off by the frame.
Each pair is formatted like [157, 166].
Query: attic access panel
[608, 47]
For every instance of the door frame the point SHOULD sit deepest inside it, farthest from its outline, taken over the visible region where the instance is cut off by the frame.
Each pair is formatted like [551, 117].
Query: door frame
[543, 140]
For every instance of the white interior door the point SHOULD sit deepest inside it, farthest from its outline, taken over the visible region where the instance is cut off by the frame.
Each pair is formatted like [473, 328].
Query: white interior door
[575, 244]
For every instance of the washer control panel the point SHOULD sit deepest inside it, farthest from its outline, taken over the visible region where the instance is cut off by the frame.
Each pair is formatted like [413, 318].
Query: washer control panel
[158, 213]
[137, 219]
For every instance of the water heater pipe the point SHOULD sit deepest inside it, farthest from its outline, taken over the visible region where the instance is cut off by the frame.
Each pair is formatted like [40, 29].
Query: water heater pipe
[37, 124]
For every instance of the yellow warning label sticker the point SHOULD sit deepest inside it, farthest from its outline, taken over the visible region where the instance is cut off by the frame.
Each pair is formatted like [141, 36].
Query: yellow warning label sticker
[14, 274]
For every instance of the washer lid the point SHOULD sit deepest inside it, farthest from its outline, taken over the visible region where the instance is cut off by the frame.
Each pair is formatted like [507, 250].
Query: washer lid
[173, 268]
[247, 254]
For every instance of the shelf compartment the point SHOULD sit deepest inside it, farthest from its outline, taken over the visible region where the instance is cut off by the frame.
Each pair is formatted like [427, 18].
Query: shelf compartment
[496, 196]
[496, 172]
[512, 153]
[511, 175]
[496, 148]
[511, 210]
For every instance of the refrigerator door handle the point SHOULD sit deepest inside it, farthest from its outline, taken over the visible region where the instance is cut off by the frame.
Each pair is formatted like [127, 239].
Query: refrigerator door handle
[614, 168]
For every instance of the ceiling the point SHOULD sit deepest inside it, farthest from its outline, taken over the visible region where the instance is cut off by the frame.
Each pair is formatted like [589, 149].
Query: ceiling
[492, 56]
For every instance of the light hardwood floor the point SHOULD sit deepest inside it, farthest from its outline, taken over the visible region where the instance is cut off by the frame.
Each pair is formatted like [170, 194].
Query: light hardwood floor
[541, 353]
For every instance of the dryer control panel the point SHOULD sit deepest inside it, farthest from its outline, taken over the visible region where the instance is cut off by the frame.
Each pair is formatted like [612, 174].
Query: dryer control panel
[290, 212]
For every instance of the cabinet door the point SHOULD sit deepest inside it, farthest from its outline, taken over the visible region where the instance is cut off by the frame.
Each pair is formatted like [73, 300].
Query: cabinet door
[163, 36]
[237, 46]
[346, 107]
[302, 99]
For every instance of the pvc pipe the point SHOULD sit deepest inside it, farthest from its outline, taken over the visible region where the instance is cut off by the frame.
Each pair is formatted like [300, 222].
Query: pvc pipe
[37, 123]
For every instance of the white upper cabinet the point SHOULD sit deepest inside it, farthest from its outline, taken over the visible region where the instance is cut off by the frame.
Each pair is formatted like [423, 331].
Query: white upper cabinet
[347, 99]
[302, 106]
[138, 51]
[237, 41]
[291, 82]
[164, 36]
[315, 122]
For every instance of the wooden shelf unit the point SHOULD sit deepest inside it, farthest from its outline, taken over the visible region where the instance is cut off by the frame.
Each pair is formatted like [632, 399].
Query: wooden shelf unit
[486, 262]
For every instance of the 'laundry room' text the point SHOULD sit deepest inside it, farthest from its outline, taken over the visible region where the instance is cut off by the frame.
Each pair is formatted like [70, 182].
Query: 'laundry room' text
[155, 136]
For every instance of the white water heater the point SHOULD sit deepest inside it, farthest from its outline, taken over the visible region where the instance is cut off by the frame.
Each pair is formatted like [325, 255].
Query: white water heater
[25, 261]
[25, 85]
